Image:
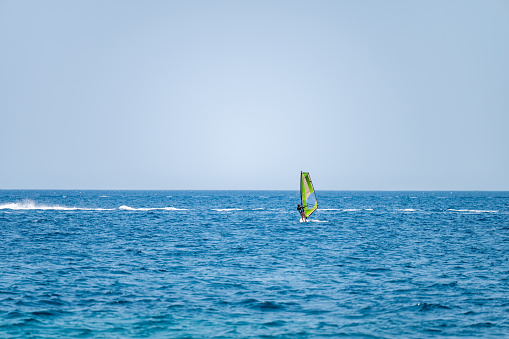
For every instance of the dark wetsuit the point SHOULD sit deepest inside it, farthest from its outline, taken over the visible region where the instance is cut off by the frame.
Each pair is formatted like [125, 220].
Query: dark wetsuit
[301, 211]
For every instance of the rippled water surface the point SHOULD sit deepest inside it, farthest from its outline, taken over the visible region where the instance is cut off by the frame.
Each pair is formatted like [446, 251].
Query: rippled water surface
[234, 264]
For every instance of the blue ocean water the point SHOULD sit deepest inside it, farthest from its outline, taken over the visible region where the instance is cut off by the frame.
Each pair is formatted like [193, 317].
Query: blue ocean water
[236, 264]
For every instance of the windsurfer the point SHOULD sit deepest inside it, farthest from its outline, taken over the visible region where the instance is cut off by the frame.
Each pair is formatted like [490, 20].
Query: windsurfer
[300, 208]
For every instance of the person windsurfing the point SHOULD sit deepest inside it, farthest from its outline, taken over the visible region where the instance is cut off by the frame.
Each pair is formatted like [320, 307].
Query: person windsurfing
[300, 208]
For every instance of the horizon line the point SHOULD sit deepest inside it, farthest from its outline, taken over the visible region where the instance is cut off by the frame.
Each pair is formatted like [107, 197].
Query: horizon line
[254, 190]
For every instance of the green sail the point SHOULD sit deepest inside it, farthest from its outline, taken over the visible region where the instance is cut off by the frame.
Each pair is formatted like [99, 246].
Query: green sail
[307, 194]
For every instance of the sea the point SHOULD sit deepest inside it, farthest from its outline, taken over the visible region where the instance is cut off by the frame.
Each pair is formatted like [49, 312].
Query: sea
[240, 264]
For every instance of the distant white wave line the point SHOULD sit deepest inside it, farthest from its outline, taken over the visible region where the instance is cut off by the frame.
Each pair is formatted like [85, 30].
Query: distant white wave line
[127, 208]
[407, 210]
[30, 205]
[472, 211]
[226, 209]
[27, 205]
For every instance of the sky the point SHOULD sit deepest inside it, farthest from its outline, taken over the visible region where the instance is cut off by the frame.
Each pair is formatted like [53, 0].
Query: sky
[365, 95]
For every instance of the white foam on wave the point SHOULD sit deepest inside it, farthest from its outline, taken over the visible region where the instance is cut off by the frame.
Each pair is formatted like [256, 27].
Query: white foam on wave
[128, 208]
[472, 211]
[407, 210]
[27, 205]
[311, 220]
[226, 209]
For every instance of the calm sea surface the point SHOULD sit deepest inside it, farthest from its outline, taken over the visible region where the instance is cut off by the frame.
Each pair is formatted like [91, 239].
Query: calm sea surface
[235, 264]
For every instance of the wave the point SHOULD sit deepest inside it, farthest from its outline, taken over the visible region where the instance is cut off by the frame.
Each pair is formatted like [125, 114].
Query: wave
[27, 205]
[407, 210]
[472, 211]
[226, 209]
[311, 220]
[127, 208]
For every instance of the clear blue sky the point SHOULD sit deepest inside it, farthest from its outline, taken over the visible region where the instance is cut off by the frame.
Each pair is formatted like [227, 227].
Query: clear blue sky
[366, 95]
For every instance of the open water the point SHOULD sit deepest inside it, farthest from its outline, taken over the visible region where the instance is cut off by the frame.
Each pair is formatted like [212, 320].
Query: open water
[236, 264]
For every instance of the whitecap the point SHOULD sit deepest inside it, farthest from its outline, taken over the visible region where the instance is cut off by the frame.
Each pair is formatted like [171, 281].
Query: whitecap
[472, 211]
[128, 208]
[174, 209]
[27, 205]
[226, 209]
[31, 205]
